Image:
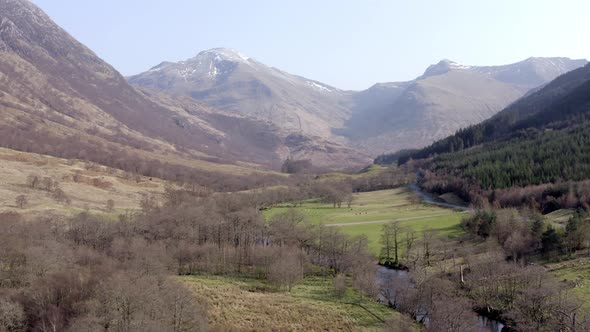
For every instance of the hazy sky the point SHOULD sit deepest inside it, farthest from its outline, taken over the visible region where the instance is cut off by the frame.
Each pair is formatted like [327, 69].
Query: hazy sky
[350, 44]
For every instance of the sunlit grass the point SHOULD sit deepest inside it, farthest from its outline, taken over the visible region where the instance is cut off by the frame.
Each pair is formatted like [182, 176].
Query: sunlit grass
[444, 226]
[251, 304]
[576, 271]
[382, 206]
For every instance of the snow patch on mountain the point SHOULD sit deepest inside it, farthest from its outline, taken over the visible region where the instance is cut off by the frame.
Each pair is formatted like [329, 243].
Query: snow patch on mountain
[224, 54]
[319, 87]
[443, 67]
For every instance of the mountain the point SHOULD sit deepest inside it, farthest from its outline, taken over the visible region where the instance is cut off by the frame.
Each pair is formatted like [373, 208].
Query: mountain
[303, 112]
[54, 86]
[231, 81]
[386, 117]
[57, 97]
[542, 138]
[561, 103]
[447, 97]
[221, 107]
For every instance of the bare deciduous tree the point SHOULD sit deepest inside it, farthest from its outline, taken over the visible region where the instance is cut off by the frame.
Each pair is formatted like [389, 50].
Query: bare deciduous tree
[110, 205]
[287, 269]
[12, 316]
[340, 285]
[21, 201]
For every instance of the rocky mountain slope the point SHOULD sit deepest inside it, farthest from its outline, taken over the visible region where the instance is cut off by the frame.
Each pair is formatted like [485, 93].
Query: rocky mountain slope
[57, 97]
[385, 117]
[231, 81]
[558, 106]
[449, 96]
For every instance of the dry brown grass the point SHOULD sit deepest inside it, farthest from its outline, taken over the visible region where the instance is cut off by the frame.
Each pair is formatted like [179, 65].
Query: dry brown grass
[231, 307]
[237, 304]
[94, 187]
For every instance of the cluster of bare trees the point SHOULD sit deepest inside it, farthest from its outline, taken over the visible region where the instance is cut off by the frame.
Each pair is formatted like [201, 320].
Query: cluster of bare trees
[448, 285]
[48, 184]
[544, 198]
[291, 166]
[337, 191]
[21, 201]
[524, 234]
[86, 273]
[450, 296]
[53, 277]
[334, 193]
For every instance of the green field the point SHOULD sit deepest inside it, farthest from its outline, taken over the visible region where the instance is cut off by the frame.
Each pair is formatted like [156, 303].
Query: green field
[575, 271]
[369, 211]
[560, 217]
[445, 226]
[253, 305]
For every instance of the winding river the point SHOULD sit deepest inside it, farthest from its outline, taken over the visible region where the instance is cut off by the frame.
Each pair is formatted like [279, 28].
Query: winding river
[383, 278]
[428, 199]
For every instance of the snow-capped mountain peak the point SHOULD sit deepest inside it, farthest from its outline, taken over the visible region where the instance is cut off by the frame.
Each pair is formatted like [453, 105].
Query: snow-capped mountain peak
[443, 67]
[223, 54]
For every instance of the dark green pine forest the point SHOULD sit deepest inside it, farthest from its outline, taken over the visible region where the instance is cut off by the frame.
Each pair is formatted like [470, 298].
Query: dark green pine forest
[542, 138]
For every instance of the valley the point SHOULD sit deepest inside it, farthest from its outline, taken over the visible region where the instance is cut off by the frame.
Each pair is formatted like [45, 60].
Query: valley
[221, 193]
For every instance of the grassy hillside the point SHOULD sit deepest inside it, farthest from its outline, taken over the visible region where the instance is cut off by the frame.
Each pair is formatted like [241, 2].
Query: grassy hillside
[88, 186]
[577, 273]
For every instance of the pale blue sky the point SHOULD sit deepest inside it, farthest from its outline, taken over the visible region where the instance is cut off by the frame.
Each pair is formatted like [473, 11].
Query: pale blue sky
[346, 43]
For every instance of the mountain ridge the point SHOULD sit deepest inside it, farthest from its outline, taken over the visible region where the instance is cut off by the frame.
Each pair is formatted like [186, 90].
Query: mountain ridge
[385, 117]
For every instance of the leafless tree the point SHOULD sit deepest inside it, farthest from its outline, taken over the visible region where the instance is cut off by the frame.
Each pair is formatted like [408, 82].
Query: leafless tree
[12, 316]
[60, 196]
[453, 314]
[21, 201]
[390, 243]
[340, 285]
[399, 323]
[363, 278]
[110, 205]
[287, 269]
[33, 181]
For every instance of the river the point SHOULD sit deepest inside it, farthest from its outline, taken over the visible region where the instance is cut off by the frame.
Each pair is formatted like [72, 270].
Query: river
[400, 277]
[428, 199]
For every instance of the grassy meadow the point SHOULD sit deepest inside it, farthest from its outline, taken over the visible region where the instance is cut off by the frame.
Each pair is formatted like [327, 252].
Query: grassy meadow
[252, 305]
[370, 210]
[577, 272]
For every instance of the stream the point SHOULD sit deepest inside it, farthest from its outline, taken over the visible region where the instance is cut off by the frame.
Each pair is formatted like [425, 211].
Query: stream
[428, 199]
[400, 277]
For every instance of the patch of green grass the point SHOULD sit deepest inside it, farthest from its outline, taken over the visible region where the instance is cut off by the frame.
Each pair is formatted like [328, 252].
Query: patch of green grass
[445, 226]
[367, 171]
[560, 216]
[380, 206]
[370, 206]
[372, 169]
[252, 304]
[576, 271]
